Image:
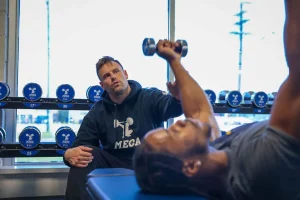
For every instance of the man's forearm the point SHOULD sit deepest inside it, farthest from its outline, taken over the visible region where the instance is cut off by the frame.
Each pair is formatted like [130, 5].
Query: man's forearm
[193, 98]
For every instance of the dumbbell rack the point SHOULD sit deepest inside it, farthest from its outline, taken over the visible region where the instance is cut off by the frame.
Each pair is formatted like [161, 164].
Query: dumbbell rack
[43, 150]
[48, 149]
[52, 150]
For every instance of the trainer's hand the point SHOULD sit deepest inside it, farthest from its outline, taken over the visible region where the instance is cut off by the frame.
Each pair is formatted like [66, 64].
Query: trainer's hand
[79, 156]
[174, 90]
[166, 50]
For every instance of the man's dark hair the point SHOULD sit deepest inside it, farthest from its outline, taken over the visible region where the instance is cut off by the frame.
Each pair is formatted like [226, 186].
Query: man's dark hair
[104, 60]
[158, 172]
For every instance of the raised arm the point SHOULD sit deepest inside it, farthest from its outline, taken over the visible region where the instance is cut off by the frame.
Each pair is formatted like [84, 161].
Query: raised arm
[286, 110]
[194, 101]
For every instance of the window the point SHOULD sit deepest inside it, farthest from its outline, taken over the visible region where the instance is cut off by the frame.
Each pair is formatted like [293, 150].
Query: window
[213, 57]
[77, 34]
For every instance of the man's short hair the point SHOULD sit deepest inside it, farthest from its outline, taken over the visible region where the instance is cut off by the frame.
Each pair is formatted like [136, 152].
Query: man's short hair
[158, 172]
[104, 60]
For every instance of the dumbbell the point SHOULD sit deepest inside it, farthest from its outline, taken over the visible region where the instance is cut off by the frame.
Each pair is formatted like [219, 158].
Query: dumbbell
[272, 97]
[65, 93]
[4, 90]
[30, 137]
[65, 137]
[232, 98]
[150, 48]
[2, 135]
[32, 92]
[260, 99]
[211, 95]
[247, 97]
[93, 93]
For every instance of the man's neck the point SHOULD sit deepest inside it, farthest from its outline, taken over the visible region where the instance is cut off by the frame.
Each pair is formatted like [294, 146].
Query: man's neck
[219, 158]
[213, 178]
[120, 98]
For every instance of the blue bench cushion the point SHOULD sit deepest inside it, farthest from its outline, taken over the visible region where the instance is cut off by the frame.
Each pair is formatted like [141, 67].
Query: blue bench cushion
[110, 172]
[124, 187]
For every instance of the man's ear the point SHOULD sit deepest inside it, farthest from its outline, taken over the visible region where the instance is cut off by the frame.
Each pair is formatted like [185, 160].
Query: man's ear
[126, 74]
[191, 167]
[101, 84]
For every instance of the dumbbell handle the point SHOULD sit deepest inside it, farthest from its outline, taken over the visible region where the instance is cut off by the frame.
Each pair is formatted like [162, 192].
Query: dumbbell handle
[150, 48]
[178, 49]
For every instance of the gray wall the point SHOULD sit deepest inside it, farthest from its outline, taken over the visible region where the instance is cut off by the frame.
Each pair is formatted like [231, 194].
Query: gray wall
[22, 181]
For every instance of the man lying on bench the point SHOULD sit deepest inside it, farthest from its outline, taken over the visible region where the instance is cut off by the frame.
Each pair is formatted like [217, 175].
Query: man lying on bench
[263, 163]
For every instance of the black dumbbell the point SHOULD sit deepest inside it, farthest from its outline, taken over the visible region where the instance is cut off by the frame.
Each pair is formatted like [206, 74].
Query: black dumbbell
[149, 47]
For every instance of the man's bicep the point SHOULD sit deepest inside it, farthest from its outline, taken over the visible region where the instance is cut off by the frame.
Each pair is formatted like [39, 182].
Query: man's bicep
[285, 114]
[292, 37]
[286, 110]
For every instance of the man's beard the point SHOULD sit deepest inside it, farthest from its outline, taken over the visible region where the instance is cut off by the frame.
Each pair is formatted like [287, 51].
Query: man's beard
[121, 91]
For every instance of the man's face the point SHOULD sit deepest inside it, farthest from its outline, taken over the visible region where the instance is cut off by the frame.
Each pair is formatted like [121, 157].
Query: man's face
[181, 138]
[113, 78]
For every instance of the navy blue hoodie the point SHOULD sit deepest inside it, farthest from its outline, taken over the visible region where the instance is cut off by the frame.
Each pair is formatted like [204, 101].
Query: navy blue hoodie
[119, 128]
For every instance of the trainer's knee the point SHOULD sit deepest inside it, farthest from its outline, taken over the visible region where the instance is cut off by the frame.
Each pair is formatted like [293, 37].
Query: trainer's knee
[96, 151]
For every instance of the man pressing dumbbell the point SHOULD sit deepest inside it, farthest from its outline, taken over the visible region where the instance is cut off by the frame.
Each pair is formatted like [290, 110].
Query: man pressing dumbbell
[263, 163]
[114, 126]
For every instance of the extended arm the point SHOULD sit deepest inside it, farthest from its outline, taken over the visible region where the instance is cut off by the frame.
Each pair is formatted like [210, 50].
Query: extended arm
[286, 109]
[193, 99]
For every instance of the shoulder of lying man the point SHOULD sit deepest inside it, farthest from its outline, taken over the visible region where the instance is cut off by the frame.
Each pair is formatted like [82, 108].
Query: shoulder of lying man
[245, 127]
[228, 136]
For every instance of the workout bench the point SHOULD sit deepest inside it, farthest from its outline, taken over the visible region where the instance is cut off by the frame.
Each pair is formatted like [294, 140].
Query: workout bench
[120, 184]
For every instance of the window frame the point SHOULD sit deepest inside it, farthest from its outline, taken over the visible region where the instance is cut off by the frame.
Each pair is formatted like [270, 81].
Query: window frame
[9, 116]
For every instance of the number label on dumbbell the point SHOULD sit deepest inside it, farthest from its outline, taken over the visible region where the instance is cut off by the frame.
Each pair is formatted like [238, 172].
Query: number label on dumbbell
[65, 106]
[259, 110]
[233, 110]
[29, 152]
[2, 104]
[32, 105]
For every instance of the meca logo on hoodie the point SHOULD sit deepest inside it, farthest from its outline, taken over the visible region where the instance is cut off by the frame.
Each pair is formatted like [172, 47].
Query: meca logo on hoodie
[127, 132]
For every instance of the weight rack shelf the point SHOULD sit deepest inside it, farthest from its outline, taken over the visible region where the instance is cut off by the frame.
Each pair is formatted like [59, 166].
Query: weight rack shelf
[43, 150]
[242, 109]
[45, 104]
[85, 104]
